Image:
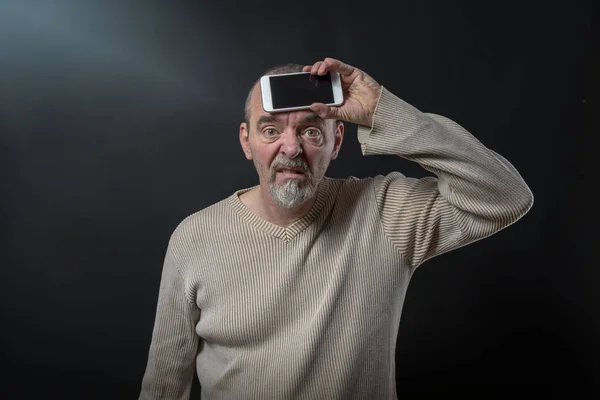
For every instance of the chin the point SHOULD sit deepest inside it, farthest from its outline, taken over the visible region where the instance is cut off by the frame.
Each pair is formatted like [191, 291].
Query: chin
[291, 193]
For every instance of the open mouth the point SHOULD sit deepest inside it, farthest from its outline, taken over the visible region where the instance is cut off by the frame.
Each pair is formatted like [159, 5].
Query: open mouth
[292, 172]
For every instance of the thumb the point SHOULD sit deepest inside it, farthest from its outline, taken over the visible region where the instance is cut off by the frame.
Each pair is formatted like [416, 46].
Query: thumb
[324, 111]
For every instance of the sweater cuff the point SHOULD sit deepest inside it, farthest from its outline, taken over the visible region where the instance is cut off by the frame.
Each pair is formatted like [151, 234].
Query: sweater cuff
[392, 116]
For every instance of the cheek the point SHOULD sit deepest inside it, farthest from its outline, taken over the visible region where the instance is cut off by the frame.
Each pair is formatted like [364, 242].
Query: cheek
[263, 156]
[323, 164]
[318, 162]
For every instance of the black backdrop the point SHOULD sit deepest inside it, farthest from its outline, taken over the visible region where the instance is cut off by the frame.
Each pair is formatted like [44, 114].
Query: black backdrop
[118, 119]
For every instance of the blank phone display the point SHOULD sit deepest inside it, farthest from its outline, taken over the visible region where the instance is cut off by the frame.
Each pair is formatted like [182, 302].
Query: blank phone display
[300, 90]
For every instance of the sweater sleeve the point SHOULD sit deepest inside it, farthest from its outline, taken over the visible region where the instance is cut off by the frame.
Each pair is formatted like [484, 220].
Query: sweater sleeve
[171, 361]
[476, 193]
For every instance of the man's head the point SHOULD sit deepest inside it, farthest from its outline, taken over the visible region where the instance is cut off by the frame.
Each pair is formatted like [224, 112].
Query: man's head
[290, 150]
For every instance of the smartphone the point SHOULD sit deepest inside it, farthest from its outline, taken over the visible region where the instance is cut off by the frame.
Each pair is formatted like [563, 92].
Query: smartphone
[298, 90]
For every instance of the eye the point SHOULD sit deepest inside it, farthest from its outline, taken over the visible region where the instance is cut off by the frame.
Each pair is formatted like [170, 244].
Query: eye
[270, 132]
[313, 133]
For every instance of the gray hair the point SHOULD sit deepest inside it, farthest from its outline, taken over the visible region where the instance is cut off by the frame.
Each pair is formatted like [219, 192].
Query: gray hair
[280, 69]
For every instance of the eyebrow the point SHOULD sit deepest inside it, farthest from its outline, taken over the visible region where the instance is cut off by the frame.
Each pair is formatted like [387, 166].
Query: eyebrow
[266, 119]
[309, 119]
[312, 119]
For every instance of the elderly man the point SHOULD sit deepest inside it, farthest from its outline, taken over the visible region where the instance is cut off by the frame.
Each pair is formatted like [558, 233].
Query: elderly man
[293, 289]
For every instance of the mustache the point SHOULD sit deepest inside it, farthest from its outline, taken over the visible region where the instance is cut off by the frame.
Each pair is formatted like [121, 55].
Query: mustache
[290, 163]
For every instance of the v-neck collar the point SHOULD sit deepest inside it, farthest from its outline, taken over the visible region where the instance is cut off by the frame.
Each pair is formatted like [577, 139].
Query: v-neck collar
[285, 234]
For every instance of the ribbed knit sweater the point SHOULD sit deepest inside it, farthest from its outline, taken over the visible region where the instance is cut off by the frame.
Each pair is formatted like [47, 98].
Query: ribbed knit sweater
[312, 311]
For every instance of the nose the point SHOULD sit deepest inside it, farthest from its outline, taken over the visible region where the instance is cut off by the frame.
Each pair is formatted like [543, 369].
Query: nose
[291, 145]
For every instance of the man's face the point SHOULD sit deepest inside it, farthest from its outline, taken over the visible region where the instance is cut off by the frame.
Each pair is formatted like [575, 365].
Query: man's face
[290, 150]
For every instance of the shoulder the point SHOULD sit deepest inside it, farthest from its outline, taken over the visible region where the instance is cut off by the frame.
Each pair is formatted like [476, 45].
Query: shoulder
[350, 191]
[204, 218]
[352, 184]
[379, 188]
[193, 230]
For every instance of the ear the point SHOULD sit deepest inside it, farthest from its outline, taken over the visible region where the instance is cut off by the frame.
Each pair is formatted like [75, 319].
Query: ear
[245, 140]
[338, 136]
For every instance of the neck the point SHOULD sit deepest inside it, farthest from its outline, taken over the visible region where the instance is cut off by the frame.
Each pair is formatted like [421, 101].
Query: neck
[259, 200]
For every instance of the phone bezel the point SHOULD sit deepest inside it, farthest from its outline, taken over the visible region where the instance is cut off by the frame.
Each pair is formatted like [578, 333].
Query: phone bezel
[265, 86]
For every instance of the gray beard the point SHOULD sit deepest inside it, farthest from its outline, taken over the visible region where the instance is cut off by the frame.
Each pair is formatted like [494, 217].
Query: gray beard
[291, 193]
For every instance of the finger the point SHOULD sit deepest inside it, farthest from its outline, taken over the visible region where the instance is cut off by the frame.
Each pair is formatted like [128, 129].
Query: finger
[323, 68]
[315, 67]
[324, 111]
[338, 66]
[311, 67]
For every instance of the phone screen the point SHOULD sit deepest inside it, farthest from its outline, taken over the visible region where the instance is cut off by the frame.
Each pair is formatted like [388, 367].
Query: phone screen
[298, 90]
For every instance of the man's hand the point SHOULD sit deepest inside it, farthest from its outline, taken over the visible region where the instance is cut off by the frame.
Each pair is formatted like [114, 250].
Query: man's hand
[361, 93]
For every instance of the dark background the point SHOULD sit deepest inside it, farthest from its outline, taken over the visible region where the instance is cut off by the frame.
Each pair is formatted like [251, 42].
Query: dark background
[119, 119]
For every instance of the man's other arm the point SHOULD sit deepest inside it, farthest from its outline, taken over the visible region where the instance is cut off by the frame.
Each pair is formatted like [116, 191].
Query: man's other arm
[476, 193]
[171, 360]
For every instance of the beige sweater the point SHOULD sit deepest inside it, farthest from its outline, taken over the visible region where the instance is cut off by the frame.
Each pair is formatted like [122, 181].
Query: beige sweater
[312, 311]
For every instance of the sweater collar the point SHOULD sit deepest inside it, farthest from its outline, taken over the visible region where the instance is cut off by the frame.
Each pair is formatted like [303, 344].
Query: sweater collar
[285, 234]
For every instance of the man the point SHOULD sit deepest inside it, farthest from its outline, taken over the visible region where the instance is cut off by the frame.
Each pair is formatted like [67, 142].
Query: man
[293, 289]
